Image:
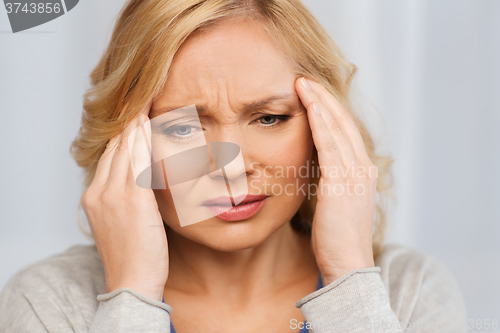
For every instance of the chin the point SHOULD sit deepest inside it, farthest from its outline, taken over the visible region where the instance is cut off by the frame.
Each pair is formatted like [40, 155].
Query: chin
[229, 236]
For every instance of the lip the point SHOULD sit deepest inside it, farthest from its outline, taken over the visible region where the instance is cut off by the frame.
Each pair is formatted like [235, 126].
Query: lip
[221, 201]
[248, 207]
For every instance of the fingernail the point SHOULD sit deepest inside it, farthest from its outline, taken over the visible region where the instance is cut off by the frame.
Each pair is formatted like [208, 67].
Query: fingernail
[305, 84]
[315, 108]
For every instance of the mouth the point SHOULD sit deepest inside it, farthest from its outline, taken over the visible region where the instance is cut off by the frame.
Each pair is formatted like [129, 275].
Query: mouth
[225, 208]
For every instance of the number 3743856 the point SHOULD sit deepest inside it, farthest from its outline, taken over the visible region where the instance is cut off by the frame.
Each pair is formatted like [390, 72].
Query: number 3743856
[17, 7]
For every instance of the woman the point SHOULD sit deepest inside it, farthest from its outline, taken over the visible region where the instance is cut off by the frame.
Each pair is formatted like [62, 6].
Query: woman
[293, 252]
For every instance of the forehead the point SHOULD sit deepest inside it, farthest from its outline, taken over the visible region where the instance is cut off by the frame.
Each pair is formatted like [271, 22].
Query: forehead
[234, 60]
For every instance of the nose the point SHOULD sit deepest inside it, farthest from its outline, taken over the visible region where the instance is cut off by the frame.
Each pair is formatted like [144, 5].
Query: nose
[230, 148]
[228, 144]
[227, 157]
[230, 167]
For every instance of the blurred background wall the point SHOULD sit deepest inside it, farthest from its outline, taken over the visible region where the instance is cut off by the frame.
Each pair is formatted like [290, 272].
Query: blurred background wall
[429, 81]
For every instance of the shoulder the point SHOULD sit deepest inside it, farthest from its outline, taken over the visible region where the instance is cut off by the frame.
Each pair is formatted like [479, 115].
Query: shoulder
[396, 259]
[419, 285]
[57, 286]
[403, 265]
[79, 264]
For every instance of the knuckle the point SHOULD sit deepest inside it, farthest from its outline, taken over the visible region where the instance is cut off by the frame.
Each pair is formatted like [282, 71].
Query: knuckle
[123, 146]
[335, 127]
[85, 201]
[368, 179]
[330, 146]
[136, 160]
[363, 177]
[357, 173]
[87, 198]
[108, 197]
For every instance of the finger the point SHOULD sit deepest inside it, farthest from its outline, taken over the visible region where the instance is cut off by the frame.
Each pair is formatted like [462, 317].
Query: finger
[121, 160]
[328, 153]
[140, 155]
[104, 164]
[342, 142]
[343, 117]
[326, 147]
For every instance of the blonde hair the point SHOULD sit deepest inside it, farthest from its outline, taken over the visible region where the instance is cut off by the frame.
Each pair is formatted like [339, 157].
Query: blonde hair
[146, 36]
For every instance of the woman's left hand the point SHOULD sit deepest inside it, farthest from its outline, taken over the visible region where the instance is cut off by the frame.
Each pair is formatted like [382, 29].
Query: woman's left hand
[342, 228]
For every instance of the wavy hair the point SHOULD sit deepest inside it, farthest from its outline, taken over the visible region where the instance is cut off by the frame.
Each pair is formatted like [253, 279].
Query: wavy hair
[136, 63]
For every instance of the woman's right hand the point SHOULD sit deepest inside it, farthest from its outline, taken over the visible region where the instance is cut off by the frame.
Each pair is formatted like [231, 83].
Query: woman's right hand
[125, 221]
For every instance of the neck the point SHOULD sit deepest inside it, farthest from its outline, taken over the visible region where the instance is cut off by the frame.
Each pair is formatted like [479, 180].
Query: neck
[280, 261]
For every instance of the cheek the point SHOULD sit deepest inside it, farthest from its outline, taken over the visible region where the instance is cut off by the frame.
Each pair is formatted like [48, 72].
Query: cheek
[297, 150]
[284, 160]
[291, 148]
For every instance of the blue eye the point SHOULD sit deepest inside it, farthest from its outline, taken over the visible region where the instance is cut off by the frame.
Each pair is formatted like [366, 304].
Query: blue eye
[181, 132]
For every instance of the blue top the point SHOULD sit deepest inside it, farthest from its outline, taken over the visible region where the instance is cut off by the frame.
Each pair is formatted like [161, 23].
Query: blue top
[303, 330]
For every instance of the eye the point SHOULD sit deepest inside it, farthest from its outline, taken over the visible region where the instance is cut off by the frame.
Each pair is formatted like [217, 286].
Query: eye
[270, 120]
[181, 132]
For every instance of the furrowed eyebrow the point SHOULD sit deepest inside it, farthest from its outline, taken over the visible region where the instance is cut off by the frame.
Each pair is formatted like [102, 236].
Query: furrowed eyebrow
[248, 107]
[259, 104]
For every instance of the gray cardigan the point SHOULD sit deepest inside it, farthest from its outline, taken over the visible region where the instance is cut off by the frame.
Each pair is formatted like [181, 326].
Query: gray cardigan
[407, 291]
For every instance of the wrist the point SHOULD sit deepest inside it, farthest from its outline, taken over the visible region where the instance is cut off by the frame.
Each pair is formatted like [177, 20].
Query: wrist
[331, 274]
[150, 292]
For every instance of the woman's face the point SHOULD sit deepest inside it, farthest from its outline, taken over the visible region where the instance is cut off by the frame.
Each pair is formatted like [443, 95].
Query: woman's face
[223, 71]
